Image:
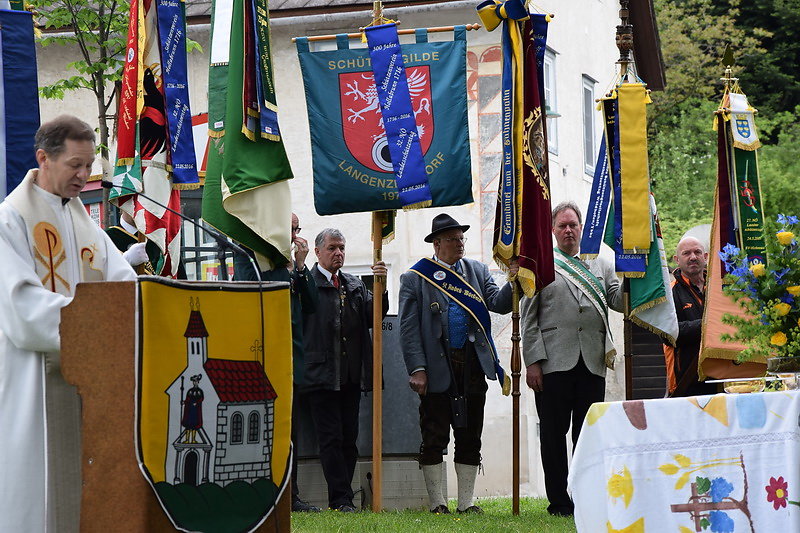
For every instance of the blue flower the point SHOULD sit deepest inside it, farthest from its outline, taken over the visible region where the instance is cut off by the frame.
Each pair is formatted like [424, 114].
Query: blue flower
[740, 271]
[764, 320]
[720, 488]
[720, 522]
[787, 299]
[792, 219]
[782, 219]
[780, 274]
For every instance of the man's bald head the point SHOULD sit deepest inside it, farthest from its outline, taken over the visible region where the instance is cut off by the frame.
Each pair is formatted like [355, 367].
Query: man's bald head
[691, 257]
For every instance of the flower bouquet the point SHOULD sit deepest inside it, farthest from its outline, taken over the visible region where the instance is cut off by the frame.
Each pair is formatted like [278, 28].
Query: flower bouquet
[770, 296]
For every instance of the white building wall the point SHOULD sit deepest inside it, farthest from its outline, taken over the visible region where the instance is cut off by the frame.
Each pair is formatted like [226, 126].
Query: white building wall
[582, 37]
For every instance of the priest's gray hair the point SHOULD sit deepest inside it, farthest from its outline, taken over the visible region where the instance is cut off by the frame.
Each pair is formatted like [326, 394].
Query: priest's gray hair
[563, 206]
[52, 136]
[328, 232]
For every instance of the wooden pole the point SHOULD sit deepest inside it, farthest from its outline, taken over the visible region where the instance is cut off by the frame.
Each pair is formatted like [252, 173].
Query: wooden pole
[516, 367]
[436, 29]
[627, 340]
[377, 364]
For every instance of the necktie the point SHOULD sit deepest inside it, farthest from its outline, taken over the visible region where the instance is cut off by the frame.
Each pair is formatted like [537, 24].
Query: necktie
[335, 280]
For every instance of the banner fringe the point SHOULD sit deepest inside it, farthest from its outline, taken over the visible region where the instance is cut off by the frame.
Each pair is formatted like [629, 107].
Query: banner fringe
[652, 329]
[216, 134]
[270, 137]
[417, 205]
[747, 147]
[185, 186]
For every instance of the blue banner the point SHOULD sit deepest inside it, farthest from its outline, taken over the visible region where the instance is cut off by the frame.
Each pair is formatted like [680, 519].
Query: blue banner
[399, 122]
[539, 24]
[597, 213]
[20, 98]
[172, 32]
[352, 162]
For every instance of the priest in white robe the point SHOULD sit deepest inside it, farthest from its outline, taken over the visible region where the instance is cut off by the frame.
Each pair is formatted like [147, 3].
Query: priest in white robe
[48, 244]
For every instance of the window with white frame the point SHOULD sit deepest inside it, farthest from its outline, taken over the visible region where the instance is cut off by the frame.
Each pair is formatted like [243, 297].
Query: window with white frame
[589, 144]
[550, 100]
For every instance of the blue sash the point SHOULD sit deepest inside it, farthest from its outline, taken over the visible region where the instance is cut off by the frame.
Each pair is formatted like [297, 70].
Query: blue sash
[172, 31]
[461, 292]
[398, 116]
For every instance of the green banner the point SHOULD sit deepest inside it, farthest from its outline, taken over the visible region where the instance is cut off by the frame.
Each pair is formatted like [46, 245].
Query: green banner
[748, 202]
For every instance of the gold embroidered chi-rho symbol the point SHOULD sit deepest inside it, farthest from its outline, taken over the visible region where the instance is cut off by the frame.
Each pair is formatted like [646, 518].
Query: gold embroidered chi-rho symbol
[49, 251]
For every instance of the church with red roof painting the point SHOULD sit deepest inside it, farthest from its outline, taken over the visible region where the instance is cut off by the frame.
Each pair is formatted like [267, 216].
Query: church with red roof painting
[221, 415]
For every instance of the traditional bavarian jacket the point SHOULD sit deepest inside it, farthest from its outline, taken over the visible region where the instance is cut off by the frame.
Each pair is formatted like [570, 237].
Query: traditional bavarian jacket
[561, 324]
[46, 248]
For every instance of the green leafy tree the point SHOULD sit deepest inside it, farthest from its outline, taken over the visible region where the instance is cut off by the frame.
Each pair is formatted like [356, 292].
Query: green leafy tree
[683, 151]
[98, 30]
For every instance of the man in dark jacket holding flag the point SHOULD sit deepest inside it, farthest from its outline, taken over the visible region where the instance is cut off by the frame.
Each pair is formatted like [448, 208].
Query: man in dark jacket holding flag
[448, 350]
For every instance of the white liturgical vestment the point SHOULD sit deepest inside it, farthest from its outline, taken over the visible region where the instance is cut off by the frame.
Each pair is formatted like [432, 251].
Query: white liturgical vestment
[39, 412]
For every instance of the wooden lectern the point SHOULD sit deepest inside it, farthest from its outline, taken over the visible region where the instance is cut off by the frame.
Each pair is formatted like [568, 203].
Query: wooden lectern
[98, 356]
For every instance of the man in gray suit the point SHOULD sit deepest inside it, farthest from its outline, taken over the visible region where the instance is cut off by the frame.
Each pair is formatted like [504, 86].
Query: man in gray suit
[566, 345]
[449, 353]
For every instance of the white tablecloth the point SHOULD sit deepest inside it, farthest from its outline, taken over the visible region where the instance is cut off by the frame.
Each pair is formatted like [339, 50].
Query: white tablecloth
[717, 464]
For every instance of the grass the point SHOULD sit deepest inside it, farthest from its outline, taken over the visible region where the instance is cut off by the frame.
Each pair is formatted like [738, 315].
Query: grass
[533, 517]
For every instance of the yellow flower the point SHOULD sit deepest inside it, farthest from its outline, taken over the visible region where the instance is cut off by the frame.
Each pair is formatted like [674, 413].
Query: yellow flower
[778, 339]
[620, 485]
[785, 237]
[758, 269]
[794, 290]
[782, 308]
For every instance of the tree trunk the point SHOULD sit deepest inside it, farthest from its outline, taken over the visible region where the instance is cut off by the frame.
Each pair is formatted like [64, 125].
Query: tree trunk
[104, 160]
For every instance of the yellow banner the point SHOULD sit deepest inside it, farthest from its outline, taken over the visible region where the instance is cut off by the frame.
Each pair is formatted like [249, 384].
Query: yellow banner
[636, 236]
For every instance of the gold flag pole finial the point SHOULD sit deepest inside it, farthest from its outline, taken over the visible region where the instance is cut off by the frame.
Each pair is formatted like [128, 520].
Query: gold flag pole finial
[728, 62]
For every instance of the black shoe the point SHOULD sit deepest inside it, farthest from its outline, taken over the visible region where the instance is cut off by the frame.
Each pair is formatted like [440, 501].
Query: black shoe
[472, 509]
[300, 506]
[561, 512]
[440, 509]
[346, 508]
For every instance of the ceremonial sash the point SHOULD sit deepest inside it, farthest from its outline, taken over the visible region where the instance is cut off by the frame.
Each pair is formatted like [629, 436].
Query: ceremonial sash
[45, 233]
[267, 102]
[580, 276]
[398, 116]
[597, 212]
[457, 289]
[172, 33]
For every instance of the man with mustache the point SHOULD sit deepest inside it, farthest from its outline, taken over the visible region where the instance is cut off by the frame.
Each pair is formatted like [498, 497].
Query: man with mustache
[688, 292]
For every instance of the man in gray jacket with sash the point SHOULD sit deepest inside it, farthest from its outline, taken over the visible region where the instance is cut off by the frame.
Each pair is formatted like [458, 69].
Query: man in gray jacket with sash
[449, 353]
[566, 345]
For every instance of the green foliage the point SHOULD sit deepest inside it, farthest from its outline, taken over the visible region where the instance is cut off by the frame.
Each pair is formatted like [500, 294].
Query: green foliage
[767, 294]
[99, 31]
[497, 518]
[693, 38]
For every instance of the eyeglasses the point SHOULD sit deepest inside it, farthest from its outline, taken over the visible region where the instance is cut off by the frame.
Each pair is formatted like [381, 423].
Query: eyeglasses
[462, 240]
[296, 229]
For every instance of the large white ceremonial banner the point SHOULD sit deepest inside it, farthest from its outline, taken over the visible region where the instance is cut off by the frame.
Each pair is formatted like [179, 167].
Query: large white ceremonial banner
[717, 464]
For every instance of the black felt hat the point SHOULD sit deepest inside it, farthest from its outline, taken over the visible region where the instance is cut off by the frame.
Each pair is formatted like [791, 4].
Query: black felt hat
[442, 223]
